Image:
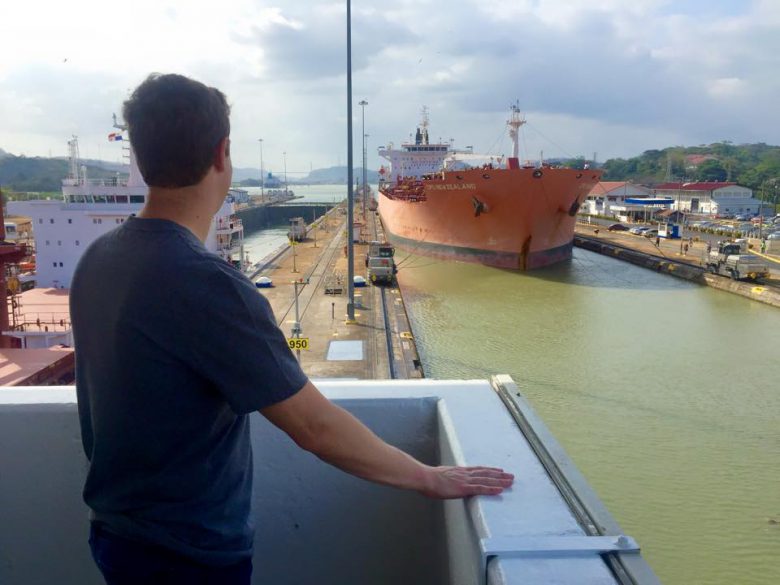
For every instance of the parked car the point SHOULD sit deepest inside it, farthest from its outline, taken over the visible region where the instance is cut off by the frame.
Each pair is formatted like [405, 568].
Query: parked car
[773, 236]
[650, 233]
[617, 227]
[638, 230]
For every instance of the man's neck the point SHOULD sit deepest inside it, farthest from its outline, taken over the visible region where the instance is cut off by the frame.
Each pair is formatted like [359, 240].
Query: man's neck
[191, 207]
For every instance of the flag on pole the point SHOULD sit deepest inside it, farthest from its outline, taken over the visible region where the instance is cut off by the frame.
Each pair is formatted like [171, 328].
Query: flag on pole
[114, 137]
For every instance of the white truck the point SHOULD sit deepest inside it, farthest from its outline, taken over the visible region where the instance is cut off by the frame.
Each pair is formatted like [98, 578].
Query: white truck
[380, 263]
[729, 260]
[298, 229]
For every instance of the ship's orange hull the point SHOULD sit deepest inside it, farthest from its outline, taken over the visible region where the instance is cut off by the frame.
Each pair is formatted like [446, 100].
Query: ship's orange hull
[519, 218]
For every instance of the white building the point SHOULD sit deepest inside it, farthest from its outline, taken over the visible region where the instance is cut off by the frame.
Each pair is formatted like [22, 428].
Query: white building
[710, 198]
[609, 198]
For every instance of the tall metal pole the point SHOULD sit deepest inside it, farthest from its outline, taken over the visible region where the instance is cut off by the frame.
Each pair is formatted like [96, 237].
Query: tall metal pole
[761, 215]
[363, 104]
[262, 173]
[296, 328]
[284, 154]
[350, 193]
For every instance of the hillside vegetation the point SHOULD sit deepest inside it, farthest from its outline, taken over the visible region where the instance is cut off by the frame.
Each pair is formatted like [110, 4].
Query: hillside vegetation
[39, 174]
[752, 165]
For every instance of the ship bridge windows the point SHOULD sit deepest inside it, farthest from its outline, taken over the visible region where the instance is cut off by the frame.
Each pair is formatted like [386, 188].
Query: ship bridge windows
[136, 198]
[101, 199]
[121, 198]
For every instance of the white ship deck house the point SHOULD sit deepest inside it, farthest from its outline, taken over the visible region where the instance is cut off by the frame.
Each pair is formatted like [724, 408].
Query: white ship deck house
[710, 198]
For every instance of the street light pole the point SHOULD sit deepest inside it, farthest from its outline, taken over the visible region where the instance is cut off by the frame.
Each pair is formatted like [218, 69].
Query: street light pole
[262, 170]
[296, 328]
[284, 154]
[363, 104]
[350, 193]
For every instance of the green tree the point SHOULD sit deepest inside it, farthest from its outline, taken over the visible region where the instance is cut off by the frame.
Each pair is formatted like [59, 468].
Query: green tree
[711, 170]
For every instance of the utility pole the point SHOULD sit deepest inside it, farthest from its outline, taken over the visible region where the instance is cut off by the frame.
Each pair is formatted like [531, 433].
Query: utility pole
[284, 154]
[363, 104]
[350, 193]
[296, 328]
[679, 214]
[262, 174]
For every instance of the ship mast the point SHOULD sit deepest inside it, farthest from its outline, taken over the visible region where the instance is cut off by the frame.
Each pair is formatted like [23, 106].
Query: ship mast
[424, 121]
[73, 160]
[134, 178]
[514, 123]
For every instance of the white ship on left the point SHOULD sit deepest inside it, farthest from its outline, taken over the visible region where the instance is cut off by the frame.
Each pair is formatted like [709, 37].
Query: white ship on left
[91, 207]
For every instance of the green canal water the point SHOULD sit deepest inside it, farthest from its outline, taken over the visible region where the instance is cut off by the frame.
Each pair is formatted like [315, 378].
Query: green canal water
[665, 394]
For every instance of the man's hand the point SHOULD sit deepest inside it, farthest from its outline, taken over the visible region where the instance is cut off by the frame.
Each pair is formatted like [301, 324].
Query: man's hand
[459, 482]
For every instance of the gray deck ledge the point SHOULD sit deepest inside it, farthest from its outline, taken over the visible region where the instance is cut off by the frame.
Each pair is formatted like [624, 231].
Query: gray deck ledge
[318, 525]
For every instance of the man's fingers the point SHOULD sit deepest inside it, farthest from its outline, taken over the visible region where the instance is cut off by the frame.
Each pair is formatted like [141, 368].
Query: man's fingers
[486, 472]
[484, 490]
[490, 481]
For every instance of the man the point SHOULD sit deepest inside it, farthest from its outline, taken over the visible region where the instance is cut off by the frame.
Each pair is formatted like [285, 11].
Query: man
[174, 349]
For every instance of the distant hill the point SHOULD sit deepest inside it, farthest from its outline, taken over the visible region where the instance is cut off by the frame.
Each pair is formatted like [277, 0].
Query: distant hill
[329, 176]
[3, 153]
[21, 173]
[337, 176]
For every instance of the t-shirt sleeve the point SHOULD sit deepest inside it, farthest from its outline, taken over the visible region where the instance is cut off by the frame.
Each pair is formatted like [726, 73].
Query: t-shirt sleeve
[238, 346]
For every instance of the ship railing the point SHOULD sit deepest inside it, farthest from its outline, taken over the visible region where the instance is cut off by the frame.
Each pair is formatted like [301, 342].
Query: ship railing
[43, 322]
[110, 182]
[229, 226]
[411, 190]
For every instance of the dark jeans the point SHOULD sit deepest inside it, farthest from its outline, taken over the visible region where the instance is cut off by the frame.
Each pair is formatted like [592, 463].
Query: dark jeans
[124, 562]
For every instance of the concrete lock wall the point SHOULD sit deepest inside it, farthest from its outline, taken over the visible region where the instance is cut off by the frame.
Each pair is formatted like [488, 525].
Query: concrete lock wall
[314, 523]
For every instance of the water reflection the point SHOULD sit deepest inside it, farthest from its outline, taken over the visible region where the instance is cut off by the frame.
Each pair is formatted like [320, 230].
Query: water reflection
[664, 393]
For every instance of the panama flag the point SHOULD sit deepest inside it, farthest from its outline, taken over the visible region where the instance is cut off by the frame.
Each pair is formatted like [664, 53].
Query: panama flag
[113, 137]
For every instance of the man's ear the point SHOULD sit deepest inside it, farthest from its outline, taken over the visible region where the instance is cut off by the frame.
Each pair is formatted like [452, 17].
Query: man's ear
[222, 154]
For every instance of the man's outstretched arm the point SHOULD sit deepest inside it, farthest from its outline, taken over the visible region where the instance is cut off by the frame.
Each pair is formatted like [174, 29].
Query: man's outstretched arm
[335, 436]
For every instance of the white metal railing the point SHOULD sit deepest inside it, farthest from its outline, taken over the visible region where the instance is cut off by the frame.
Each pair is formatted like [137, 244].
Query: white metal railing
[111, 182]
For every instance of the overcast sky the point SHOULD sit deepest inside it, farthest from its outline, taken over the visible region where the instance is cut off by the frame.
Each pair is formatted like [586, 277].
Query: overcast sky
[613, 77]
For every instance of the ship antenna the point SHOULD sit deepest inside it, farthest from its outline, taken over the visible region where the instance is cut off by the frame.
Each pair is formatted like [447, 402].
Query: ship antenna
[73, 160]
[514, 123]
[424, 121]
[119, 126]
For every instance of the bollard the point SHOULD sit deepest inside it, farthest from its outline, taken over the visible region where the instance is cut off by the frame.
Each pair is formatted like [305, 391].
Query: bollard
[333, 311]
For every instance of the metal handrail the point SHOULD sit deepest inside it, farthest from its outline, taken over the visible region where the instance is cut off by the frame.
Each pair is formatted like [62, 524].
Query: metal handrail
[591, 514]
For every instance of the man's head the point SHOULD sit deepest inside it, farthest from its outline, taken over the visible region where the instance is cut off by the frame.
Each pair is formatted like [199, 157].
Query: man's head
[176, 126]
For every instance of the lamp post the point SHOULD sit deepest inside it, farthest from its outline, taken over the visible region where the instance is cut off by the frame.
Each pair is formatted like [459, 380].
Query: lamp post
[284, 154]
[680, 214]
[363, 104]
[350, 193]
[262, 173]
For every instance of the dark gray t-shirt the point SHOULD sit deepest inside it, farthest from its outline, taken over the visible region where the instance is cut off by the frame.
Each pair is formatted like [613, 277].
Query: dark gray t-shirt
[173, 348]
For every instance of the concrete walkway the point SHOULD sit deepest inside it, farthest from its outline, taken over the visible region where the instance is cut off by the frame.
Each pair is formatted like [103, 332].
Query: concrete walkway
[337, 349]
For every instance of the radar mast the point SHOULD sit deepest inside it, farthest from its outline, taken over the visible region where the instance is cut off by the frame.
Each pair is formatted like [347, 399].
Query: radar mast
[514, 123]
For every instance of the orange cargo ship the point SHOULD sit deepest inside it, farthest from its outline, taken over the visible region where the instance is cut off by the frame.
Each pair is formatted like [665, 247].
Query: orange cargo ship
[499, 214]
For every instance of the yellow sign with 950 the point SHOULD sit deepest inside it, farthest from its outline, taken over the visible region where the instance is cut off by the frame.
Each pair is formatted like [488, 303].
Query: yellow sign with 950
[298, 343]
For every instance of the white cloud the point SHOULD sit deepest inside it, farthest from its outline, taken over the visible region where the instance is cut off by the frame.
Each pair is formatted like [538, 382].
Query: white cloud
[727, 87]
[605, 75]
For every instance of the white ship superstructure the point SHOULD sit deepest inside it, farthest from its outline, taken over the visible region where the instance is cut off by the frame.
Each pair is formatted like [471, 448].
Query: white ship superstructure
[89, 208]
